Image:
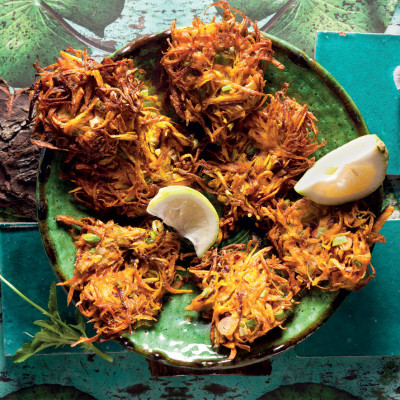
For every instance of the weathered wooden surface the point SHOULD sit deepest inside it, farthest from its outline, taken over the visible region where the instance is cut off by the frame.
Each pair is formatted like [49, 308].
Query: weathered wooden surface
[18, 156]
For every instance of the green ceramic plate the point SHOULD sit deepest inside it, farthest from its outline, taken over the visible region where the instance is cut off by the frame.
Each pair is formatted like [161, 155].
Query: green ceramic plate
[181, 337]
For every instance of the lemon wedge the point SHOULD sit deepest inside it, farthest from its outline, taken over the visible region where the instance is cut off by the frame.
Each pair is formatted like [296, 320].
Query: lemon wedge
[189, 212]
[347, 173]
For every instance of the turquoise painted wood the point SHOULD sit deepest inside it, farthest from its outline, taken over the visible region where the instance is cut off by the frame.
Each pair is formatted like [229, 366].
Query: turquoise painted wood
[368, 322]
[24, 263]
[364, 64]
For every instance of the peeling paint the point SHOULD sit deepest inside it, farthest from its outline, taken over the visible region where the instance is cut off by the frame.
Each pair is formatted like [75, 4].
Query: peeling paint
[140, 25]
[216, 389]
[390, 373]
[172, 393]
[137, 390]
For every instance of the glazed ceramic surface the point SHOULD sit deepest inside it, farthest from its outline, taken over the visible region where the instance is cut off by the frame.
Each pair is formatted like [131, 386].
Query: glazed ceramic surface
[181, 337]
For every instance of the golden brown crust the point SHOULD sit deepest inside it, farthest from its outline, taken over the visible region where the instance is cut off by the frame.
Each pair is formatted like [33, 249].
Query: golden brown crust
[121, 273]
[119, 152]
[216, 71]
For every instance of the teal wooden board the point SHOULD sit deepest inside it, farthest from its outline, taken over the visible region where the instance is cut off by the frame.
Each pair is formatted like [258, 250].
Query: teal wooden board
[24, 263]
[395, 183]
[368, 322]
[368, 378]
[364, 64]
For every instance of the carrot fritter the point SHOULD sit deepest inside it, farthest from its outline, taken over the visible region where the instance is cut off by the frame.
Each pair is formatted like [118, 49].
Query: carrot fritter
[246, 293]
[121, 273]
[272, 151]
[119, 152]
[82, 105]
[327, 247]
[216, 71]
[126, 182]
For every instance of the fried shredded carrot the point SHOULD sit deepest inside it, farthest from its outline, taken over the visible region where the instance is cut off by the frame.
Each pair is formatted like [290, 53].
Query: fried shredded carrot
[327, 247]
[121, 273]
[216, 70]
[245, 291]
[119, 152]
[273, 149]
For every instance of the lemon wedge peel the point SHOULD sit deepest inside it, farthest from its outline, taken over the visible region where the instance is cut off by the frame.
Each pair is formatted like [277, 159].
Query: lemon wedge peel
[190, 213]
[348, 173]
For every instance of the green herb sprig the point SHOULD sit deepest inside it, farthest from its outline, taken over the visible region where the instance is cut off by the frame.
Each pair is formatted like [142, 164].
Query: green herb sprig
[54, 331]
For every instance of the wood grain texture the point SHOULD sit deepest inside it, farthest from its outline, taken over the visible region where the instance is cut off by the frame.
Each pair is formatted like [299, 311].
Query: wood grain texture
[18, 156]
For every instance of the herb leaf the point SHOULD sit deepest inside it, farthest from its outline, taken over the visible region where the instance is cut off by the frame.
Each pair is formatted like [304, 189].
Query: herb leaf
[239, 236]
[53, 306]
[54, 331]
[80, 323]
[28, 349]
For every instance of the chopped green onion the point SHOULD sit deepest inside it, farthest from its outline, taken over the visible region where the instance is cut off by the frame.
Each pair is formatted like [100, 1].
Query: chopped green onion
[251, 150]
[320, 231]
[357, 263]
[282, 314]
[152, 237]
[144, 92]
[251, 323]
[206, 292]
[202, 92]
[221, 60]
[338, 240]
[234, 156]
[226, 88]
[78, 132]
[100, 106]
[91, 238]
[243, 331]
